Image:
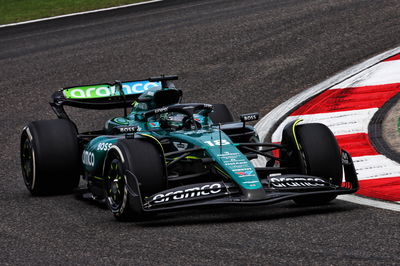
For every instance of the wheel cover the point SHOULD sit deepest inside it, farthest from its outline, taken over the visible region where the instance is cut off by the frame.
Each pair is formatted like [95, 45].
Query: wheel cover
[27, 162]
[115, 184]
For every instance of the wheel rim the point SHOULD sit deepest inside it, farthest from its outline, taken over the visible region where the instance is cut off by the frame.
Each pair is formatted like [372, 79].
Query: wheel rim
[115, 184]
[27, 162]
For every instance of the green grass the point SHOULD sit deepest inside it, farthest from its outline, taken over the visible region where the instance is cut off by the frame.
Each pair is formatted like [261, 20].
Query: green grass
[22, 10]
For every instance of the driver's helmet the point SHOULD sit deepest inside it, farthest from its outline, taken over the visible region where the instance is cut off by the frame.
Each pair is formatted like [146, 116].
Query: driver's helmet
[173, 120]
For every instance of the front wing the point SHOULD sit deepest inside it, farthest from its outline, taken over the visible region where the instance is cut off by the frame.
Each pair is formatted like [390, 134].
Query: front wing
[275, 189]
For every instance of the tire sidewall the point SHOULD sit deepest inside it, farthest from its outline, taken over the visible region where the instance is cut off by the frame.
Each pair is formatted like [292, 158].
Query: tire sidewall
[115, 152]
[26, 136]
[56, 156]
[131, 206]
[320, 153]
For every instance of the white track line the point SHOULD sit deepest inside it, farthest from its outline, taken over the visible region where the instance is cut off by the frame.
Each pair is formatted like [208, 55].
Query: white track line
[267, 124]
[369, 202]
[340, 123]
[375, 166]
[79, 13]
[381, 74]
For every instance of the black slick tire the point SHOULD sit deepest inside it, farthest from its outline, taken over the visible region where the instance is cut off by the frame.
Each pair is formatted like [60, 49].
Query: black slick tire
[320, 156]
[50, 157]
[133, 169]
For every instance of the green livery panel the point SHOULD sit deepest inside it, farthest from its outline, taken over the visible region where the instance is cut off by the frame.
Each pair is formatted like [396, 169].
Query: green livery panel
[95, 152]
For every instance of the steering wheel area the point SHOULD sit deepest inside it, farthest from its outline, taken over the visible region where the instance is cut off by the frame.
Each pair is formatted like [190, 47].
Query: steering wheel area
[180, 116]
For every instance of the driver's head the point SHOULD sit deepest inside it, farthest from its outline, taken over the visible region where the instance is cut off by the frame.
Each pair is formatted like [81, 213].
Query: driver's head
[173, 120]
[178, 121]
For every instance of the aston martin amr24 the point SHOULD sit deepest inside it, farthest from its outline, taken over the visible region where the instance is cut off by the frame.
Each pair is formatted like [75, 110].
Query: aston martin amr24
[162, 154]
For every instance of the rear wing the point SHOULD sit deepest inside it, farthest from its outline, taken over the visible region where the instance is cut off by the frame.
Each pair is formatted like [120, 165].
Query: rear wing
[107, 95]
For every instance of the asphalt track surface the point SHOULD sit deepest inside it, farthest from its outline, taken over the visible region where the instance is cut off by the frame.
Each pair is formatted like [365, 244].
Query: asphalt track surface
[251, 55]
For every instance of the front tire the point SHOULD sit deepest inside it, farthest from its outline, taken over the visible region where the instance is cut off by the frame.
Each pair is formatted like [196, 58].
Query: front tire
[319, 156]
[133, 169]
[50, 157]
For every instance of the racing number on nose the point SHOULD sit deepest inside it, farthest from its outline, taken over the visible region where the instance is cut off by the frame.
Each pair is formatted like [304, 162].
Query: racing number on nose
[216, 142]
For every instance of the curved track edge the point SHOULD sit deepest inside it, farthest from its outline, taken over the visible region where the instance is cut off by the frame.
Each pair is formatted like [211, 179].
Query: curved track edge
[269, 123]
[79, 13]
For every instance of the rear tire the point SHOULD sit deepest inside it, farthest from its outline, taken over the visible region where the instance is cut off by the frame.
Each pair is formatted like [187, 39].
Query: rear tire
[50, 157]
[320, 157]
[145, 161]
[221, 114]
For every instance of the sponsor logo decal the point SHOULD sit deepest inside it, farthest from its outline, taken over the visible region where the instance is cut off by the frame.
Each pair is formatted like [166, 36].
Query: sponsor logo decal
[139, 86]
[285, 182]
[245, 173]
[180, 145]
[237, 163]
[228, 154]
[100, 91]
[103, 146]
[249, 117]
[88, 158]
[126, 129]
[160, 110]
[192, 192]
[252, 183]
[154, 124]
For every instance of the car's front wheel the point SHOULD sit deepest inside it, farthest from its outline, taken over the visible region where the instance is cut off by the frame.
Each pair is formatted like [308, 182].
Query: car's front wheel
[319, 155]
[133, 169]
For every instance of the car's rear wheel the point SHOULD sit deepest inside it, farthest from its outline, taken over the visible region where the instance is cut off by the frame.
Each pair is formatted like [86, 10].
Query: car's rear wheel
[319, 156]
[134, 169]
[50, 157]
[221, 114]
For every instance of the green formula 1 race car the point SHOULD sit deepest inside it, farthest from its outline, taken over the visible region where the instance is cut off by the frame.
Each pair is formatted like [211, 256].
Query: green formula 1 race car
[165, 155]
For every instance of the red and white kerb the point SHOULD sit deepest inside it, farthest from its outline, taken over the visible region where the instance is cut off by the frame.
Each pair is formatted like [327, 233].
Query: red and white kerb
[347, 109]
